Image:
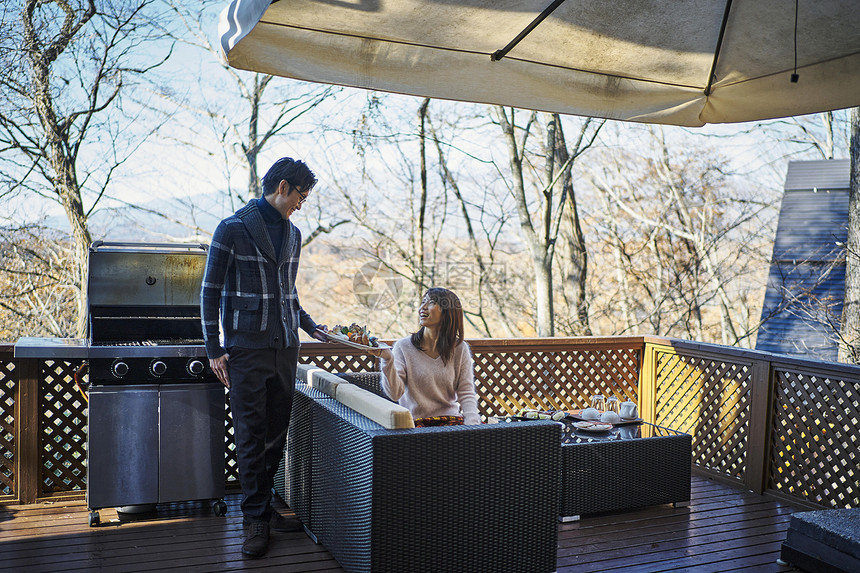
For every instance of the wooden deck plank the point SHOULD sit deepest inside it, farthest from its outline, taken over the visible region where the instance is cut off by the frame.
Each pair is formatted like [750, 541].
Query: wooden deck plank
[723, 529]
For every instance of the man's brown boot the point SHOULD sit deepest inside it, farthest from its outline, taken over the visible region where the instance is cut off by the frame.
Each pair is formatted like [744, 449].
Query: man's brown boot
[284, 524]
[256, 539]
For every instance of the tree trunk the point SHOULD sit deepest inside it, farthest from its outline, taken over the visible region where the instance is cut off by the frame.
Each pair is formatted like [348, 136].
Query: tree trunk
[578, 273]
[541, 221]
[577, 254]
[61, 150]
[849, 340]
[422, 202]
[71, 200]
[531, 236]
[252, 150]
[543, 284]
[542, 263]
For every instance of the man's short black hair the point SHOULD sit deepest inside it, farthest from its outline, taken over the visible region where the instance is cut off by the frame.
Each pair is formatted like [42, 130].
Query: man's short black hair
[293, 171]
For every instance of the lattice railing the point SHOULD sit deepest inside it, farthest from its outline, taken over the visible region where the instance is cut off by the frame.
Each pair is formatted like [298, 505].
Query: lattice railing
[555, 375]
[709, 399]
[348, 361]
[815, 445]
[8, 429]
[771, 423]
[231, 463]
[547, 374]
[63, 426]
[787, 426]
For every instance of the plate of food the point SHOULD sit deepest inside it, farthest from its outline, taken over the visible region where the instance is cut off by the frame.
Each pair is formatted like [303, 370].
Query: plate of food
[592, 426]
[355, 336]
[532, 414]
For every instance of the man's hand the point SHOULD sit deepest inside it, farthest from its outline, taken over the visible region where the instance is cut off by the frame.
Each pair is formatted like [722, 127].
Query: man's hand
[319, 333]
[219, 367]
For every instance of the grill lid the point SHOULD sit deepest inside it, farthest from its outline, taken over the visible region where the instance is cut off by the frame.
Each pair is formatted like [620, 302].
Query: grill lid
[145, 274]
[145, 291]
[143, 300]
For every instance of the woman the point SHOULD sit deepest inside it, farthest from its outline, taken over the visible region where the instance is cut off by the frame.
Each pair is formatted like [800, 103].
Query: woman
[431, 372]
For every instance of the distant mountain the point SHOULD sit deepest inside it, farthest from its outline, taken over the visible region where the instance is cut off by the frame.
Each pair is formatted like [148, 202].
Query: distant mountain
[188, 219]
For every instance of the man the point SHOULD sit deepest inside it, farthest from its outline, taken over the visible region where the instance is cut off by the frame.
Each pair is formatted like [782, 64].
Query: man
[250, 285]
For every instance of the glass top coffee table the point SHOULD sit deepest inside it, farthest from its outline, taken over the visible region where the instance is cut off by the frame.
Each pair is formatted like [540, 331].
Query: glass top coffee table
[629, 466]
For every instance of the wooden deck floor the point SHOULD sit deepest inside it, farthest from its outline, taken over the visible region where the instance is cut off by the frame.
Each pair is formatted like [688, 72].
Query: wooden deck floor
[723, 529]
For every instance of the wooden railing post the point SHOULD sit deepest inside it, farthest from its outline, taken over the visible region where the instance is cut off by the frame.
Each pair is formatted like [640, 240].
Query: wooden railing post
[757, 458]
[28, 459]
[648, 384]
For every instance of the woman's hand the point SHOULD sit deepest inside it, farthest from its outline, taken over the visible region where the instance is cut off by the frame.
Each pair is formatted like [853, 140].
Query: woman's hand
[383, 353]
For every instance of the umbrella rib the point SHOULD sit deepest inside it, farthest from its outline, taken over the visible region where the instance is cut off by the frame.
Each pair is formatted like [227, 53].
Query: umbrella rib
[786, 70]
[499, 54]
[719, 47]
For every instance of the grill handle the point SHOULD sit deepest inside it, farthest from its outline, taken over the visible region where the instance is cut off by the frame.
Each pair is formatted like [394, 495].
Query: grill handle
[147, 247]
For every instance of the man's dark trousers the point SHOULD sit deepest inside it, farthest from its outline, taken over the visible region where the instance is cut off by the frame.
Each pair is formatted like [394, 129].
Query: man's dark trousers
[262, 383]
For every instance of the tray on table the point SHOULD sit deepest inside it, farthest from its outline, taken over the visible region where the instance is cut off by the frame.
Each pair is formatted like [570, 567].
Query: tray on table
[577, 415]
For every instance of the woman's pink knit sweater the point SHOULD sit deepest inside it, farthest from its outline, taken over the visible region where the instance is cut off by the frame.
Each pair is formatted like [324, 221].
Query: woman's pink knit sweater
[427, 386]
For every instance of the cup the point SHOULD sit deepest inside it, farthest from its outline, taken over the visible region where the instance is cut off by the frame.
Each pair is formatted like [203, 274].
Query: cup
[598, 402]
[612, 404]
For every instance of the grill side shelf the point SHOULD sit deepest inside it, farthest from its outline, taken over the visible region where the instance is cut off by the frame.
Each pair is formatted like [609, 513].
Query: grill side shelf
[51, 348]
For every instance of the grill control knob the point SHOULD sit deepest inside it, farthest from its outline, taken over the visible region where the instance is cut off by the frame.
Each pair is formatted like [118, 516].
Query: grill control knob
[195, 367]
[119, 369]
[158, 368]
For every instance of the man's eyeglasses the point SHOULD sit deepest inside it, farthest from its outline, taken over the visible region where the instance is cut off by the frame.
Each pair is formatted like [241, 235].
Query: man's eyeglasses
[304, 196]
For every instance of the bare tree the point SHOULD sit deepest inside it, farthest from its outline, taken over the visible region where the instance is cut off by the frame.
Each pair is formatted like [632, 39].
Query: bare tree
[251, 109]
[822, 138]
[423, 213]
[35, 282]
[395, 220]
[684, 239]
[849, 332]
[62, 99]
[486, 285]
[552, 187]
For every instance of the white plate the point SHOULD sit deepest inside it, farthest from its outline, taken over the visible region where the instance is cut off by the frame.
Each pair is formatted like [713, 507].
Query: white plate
[345, 340]
[592, 426]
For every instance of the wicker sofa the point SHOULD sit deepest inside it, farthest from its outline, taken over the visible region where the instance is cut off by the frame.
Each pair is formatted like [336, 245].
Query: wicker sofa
[384, 498]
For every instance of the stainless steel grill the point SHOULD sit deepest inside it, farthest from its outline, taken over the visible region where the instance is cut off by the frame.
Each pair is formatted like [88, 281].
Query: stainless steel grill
[156, 422]
[144, 314]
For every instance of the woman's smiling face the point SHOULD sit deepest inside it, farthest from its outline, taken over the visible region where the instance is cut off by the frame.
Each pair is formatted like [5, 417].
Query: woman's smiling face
[429, 313]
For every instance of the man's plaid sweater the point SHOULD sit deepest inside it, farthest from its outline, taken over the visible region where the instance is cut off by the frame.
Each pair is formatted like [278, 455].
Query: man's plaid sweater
[252, 293]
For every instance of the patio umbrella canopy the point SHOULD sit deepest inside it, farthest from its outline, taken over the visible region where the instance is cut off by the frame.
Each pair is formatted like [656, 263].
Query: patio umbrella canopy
[686, 62]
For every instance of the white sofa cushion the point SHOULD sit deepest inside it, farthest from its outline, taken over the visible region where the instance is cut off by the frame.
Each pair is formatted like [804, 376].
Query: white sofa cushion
[386, 413]
[304, 372]
[325, 382]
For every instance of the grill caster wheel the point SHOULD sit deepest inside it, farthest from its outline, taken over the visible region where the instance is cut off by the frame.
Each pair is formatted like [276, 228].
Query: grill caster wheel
[94, 519]
[220, 508]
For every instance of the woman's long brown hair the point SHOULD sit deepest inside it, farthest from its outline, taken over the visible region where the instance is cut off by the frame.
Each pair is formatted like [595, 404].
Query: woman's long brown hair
[450, 326]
